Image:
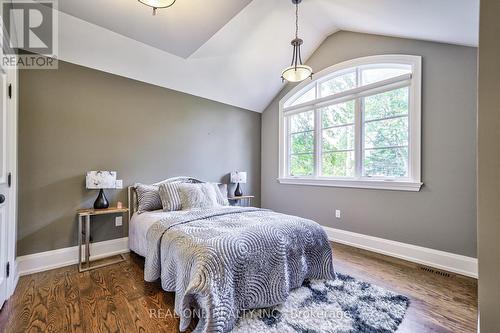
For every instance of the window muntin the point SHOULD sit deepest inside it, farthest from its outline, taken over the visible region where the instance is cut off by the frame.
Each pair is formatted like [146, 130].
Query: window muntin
[338, 114]
[338, 139]
[392, 103]
[301, 143]
[306, 97]
[386, 134]
[359, 125]
[338, 84]
[370, 74]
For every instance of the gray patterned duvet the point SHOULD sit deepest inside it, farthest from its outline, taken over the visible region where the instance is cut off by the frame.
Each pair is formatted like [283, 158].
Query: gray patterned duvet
[223, 260]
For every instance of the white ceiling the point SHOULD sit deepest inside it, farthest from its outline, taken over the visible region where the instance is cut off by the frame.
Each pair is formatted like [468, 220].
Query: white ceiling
[234, 51]
[179, 30]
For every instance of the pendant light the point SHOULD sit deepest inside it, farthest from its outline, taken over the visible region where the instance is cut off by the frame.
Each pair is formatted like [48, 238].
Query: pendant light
[155, 4]
[297, 71]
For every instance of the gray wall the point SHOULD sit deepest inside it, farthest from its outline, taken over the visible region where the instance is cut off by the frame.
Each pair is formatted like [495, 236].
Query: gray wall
[443, 214]
[76, 119]
[488, 207]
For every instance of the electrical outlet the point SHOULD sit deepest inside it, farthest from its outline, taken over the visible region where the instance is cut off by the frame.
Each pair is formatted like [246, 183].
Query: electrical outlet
[119, 184]
[118, 221]
[337, 213]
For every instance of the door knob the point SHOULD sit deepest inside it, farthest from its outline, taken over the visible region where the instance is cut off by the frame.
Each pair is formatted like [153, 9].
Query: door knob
[2, 198]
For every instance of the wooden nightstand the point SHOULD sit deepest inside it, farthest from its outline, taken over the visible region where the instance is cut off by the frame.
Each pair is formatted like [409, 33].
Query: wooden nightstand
[244, 200]
[85, 214]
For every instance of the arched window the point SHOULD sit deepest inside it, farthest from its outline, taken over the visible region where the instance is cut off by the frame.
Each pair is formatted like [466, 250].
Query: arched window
[356, 125]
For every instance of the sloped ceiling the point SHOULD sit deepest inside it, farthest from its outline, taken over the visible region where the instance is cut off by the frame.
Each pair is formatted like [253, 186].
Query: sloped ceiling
[179, 30]
[234, 51]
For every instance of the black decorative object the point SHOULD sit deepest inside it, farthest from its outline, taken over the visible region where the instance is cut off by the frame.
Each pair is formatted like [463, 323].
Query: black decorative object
[101, 202]
[100, 180]
[238, 192]
[238, 177]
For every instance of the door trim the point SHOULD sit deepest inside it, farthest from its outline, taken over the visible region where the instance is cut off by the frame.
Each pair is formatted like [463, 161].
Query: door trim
[12, 122]
[12, 105]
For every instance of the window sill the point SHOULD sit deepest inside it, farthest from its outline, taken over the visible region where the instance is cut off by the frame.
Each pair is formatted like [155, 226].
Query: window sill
[368, 184]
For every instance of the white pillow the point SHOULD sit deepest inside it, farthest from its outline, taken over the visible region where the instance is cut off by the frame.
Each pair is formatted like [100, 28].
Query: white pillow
[197, 196]
[221, 192]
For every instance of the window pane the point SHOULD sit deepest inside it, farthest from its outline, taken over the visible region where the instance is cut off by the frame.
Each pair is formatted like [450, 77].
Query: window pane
[302, 122]
[338, 138]
[387, 162]
[338, 164]
[388, 104]
[338, 84]
[306, 97]
[372, 75]
[386, 133]
[338, 114]
[302, 142]
[301, 165]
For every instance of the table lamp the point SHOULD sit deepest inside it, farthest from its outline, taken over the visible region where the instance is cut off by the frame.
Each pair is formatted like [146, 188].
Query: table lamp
[101, 180]
[238, 177]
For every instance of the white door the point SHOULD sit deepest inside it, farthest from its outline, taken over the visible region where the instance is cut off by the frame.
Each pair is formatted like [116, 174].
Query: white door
[4, 190]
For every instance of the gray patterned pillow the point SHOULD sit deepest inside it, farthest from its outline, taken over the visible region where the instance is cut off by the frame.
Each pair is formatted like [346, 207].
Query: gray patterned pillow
[169, 195]
[197, 196]
[148, 198]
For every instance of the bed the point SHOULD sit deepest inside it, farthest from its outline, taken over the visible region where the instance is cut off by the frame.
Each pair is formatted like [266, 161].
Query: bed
[225, 259]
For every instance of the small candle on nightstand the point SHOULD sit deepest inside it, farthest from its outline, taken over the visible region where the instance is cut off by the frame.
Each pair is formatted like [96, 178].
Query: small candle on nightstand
[119, 204]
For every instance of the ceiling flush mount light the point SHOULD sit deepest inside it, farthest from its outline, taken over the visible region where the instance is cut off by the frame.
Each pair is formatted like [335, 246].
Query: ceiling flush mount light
[156, 4]
[297, 71]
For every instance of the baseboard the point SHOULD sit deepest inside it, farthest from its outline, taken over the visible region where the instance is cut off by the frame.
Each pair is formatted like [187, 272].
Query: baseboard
[450, 262]
[455, 263]
[43, 261]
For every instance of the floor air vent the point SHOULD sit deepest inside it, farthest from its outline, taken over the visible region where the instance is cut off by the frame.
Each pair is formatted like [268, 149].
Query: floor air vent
[435, 271]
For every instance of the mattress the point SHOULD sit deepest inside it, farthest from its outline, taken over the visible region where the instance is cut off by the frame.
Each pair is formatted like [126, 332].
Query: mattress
[138, 229]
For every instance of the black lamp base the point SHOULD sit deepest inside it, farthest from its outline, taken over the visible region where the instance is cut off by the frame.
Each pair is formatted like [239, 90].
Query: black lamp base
[101, 202]
[238, 192]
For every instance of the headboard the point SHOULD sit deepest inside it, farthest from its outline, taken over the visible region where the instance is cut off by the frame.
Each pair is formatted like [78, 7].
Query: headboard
[132, 196]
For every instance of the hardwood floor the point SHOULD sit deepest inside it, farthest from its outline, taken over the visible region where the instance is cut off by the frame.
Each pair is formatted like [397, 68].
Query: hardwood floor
[116, 298]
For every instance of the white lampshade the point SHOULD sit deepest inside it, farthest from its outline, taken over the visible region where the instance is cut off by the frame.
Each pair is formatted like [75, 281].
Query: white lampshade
[292, 74]
[238, 177]
[97, 180]
[158, 3]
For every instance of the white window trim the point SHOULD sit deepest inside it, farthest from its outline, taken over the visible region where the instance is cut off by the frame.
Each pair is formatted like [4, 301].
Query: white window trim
[413, 182]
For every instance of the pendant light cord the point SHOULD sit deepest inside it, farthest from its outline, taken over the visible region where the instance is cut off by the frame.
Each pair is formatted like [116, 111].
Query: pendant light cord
[297, 20]
[296, 55]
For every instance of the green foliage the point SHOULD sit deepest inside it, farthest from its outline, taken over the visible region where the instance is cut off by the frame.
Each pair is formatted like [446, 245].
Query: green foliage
[338, 138]
[338, 114]
[337, 134]
[390, 162]
[379, 134]
[302, 165]
[302, 142]
[388, 104]
[338, 164]
[386, 133]
[338, 84]
[302, 122]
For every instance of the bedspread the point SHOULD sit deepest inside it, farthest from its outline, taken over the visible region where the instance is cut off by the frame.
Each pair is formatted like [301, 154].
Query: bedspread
[222, 260]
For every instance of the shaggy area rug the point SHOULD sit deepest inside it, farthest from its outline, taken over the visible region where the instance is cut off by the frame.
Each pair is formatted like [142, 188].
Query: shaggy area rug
[344, 305]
